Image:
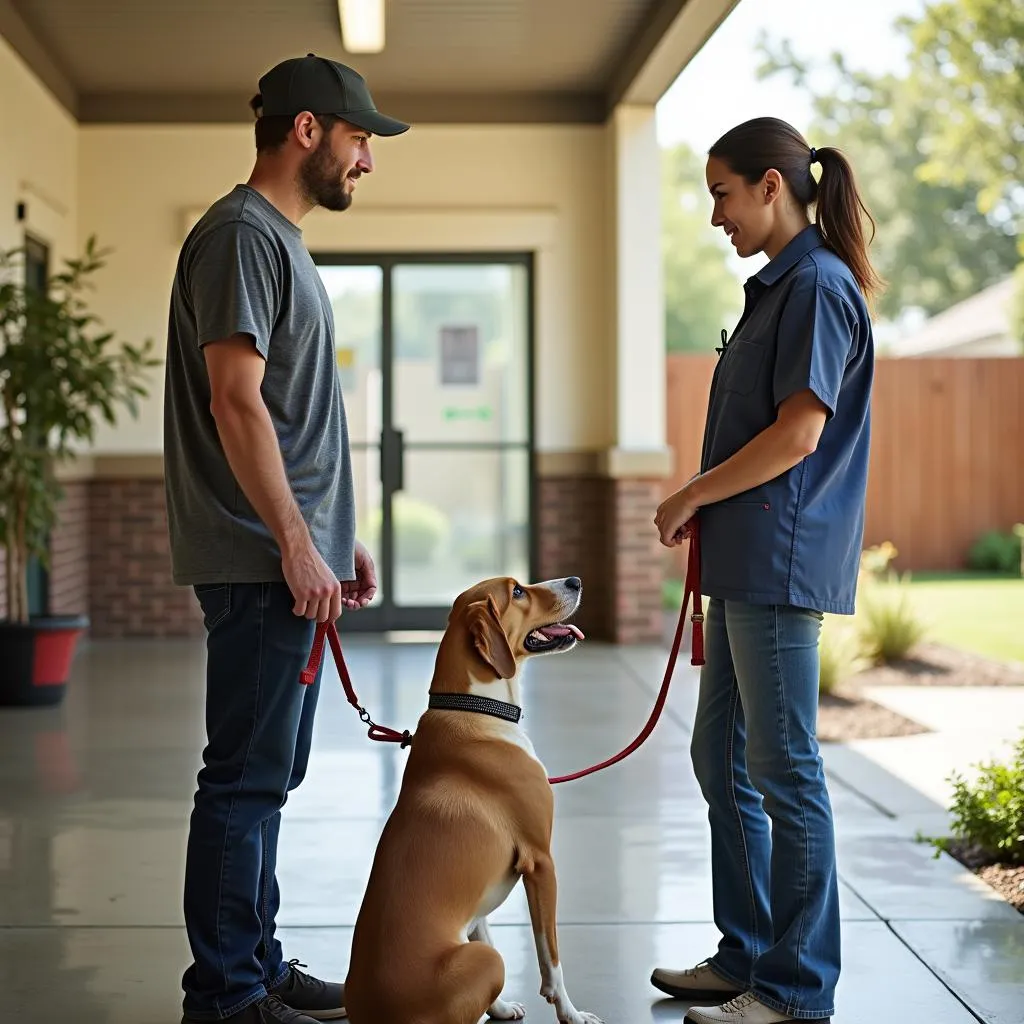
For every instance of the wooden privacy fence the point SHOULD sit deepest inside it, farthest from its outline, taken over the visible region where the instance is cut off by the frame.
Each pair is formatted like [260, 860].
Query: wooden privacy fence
[947, 450]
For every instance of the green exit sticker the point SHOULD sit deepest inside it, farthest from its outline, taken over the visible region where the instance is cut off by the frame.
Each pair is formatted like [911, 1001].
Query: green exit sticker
[480, 412]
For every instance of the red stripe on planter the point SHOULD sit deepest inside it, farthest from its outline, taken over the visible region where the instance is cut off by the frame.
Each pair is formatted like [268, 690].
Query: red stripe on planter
[53, 652]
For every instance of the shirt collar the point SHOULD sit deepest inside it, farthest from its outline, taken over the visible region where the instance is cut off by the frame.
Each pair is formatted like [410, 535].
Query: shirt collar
[795, 250]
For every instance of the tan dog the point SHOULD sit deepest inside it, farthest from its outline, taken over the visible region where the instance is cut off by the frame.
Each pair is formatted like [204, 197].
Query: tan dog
[474, 815]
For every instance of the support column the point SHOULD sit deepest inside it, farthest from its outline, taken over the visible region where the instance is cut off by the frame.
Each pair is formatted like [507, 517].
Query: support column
[640, 459]
[637, 291]
[596, 509]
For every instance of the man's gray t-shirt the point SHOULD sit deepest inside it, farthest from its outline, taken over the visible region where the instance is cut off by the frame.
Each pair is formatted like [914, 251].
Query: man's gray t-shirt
[244, 270]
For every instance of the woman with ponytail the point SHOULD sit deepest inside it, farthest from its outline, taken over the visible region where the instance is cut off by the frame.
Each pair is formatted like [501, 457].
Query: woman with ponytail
[780, 503]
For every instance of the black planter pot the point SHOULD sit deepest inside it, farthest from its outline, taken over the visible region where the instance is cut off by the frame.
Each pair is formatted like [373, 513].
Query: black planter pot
[35, 659]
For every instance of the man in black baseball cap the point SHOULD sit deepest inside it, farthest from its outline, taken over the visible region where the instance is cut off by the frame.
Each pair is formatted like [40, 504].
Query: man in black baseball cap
[262, 515]
[297, 97]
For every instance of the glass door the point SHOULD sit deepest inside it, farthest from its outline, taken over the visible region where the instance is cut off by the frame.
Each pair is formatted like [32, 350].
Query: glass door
[434, 355]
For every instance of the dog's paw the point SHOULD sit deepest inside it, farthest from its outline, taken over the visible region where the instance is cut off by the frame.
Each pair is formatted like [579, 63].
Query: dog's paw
[581, 1017]
[501, 1010]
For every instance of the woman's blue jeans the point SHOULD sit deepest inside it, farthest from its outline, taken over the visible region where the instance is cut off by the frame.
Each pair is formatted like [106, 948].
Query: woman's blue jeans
[756, 756]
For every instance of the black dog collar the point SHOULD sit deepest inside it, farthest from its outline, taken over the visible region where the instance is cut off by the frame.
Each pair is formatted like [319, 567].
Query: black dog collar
[473, 702]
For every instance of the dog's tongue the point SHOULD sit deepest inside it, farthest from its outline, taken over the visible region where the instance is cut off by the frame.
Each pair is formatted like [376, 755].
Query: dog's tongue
[551, 632]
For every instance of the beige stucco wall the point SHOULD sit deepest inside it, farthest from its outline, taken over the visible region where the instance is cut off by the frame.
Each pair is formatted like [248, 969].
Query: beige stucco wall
[437, 188]
[565, 193]
[38, 160]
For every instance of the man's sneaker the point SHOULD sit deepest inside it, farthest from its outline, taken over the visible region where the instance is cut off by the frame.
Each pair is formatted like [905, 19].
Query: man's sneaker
[268, 1010]
[694, 983]
[321, 1000]
[745, 1009]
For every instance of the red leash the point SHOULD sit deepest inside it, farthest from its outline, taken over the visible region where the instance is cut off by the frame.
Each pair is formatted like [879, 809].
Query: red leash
[328, 630]
[692, 587]
[308, 676]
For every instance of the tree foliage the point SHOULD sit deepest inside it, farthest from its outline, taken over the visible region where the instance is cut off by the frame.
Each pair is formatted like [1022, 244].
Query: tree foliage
[702, 295]
[935, 245]
[967, 66]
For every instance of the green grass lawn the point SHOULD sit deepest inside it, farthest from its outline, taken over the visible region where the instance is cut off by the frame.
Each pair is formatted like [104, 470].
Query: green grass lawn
[983, 614]
[979, 613]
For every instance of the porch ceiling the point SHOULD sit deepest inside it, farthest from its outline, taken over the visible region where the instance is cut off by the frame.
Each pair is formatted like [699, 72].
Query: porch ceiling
[444, 60]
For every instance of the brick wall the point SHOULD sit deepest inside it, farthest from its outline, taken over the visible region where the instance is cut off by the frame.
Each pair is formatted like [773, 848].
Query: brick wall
[131, 591]
[603, 531]
[111, 557]
[69, 553]
[638, 561]
[572, 540]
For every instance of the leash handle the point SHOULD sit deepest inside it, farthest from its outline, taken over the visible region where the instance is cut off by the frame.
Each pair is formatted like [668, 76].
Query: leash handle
[691, 589]
[329, 631]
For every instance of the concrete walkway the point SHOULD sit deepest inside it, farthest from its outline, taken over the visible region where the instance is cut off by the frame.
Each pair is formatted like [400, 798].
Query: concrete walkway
[95, 797]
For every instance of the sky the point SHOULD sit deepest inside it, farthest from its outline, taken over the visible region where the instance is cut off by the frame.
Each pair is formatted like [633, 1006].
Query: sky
[719, 88]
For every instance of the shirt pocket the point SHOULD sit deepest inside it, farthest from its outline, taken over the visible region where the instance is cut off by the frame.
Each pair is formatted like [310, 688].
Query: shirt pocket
[741, 369]
[741, 547]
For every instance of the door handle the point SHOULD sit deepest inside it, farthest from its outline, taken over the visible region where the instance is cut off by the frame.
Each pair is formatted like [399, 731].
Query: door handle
[399, 460]
[392, 458]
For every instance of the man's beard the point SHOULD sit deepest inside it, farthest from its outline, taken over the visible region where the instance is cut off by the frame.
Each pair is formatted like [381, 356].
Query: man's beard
[321, 180]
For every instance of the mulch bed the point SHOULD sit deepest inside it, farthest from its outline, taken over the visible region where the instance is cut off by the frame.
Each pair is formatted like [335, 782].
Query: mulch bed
[847, 714]
[938, 665]
[1006, 879]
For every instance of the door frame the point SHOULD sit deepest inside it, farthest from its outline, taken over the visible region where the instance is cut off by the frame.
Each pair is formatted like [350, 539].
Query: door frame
[388, 616]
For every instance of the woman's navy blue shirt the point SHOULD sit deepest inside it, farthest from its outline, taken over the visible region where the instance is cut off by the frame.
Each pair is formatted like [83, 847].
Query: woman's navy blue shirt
[797, 539]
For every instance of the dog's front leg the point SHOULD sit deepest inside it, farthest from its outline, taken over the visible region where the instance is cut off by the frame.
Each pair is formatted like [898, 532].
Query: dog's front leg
[541, 894]
[499, 1009]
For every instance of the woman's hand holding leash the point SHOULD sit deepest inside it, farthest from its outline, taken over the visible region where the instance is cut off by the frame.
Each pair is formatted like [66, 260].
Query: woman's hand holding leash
[674, 515]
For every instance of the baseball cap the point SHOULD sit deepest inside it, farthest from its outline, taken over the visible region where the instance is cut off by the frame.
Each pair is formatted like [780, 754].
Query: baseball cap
[323, 86]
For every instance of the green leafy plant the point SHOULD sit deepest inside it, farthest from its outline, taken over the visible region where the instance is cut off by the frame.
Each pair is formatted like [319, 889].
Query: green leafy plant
[58, 375]
[988, 813]
[890, 627]
[995, 551]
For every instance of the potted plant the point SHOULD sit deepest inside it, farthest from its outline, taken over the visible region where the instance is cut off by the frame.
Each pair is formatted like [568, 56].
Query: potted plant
[58, 375]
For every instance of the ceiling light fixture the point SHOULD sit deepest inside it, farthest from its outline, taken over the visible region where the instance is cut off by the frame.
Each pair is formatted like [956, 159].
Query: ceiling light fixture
[362, 25]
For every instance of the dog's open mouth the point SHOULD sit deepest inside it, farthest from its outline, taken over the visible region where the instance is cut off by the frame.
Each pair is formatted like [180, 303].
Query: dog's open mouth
[553, 637]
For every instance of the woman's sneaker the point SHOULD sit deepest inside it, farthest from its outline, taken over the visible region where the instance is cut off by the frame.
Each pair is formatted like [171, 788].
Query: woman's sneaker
[694, 983]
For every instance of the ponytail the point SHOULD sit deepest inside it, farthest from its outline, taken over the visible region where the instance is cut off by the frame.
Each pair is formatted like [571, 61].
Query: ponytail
[756, 146]
[838, 208]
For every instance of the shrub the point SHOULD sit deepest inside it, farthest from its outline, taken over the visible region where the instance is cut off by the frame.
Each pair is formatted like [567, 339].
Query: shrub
[420, 528]
[988, 814]
[995, 551]
[840, 655]
[875, 563]
[672, 595]
[889, 626]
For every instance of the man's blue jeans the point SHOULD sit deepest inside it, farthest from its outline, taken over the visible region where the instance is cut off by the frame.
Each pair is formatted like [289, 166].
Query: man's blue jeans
[259, 724]
[756, 756]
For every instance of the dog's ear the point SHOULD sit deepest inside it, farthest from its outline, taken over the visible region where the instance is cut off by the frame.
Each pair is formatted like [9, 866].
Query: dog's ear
[489, 638]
